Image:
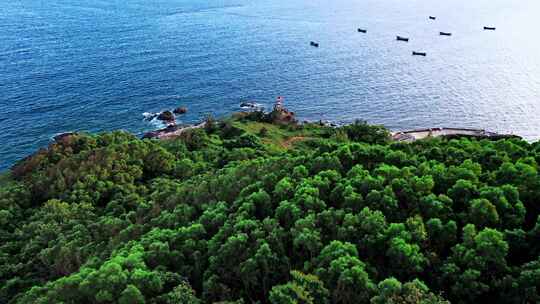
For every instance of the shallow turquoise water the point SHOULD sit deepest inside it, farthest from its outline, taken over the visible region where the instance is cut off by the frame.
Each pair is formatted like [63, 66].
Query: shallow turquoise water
[98, 65]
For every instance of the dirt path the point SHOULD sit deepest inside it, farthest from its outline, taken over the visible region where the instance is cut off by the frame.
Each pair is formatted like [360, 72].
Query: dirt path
[291, 140]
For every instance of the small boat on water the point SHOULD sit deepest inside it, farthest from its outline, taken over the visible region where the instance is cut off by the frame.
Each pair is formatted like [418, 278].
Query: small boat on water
[362, 31]
[489, 28]
[399, 38]
[419, 53]
[445, 34]
[432, 17]
[315, 44]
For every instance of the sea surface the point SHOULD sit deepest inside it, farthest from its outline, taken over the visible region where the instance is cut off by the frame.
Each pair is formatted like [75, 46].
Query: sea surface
[71, 65]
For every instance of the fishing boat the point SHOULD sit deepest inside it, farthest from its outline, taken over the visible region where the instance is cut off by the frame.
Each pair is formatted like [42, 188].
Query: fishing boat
[315, 44]
[445, 34]
[399, 38]
[419, 53]
[362, 31]
[432, 17]
[489, 28]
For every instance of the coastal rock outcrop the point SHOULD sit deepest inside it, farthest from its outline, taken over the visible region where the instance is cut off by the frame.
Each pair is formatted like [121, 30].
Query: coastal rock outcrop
[246, 104]
[251, 106]
[160, 132]
[172, 131]
[166, 116]
[63, 136]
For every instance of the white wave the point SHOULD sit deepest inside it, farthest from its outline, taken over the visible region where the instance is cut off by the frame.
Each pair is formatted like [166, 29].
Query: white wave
[149, 115]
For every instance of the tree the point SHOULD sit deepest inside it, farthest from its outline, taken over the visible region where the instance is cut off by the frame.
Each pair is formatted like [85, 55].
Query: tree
[306, 237]
[367, 230]
[290, 293]
[287, 213]
[483, 213]
[506, 200]
[284, 189]
[181, 294]
[392, 291]
[362, 132]
[406, 258]
[475, 263]
[529, 282]
[341, 270]
[224, 215]
[441, 236]
[258, 272]
[433, 206]
[131, 295]
[349, 280]
[326, 162]
[490, 244]
[461, 193]
[333, 251]
[303, 289]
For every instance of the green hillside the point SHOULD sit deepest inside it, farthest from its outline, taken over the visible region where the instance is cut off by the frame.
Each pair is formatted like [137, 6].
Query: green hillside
[245, 211]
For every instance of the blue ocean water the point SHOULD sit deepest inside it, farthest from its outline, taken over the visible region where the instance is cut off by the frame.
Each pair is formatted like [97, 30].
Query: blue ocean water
[97, 65]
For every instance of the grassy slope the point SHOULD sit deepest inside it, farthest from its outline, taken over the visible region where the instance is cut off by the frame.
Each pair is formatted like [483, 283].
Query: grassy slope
[281, 137]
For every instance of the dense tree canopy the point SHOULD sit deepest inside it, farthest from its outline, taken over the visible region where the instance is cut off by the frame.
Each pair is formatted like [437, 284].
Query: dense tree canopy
[235, 214]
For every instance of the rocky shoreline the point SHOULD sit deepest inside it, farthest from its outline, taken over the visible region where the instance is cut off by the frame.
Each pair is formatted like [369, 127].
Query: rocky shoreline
[280, 115]
[172, 131]
[283, 116]
[168, 117]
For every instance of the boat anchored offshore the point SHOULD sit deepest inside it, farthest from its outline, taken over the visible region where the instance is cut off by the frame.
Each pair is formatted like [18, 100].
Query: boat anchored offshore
[432, 17]
[419, 53]
[399, 38]
[362, 31]
[315, 44]
[489, 28]
[445, 34]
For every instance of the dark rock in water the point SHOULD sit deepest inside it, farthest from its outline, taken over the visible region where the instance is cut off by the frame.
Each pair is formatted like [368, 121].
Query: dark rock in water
[180, 110]
[166, 116]
[251, 106]
[247, 105]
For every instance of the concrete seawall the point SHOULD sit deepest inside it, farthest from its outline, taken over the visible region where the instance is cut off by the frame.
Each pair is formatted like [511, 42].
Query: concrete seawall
[413, 135]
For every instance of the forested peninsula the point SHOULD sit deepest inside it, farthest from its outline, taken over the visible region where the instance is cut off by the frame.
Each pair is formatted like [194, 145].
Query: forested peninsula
[250, 210]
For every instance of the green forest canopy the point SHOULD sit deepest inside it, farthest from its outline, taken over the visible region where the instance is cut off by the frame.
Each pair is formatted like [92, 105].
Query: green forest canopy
[245, 211]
